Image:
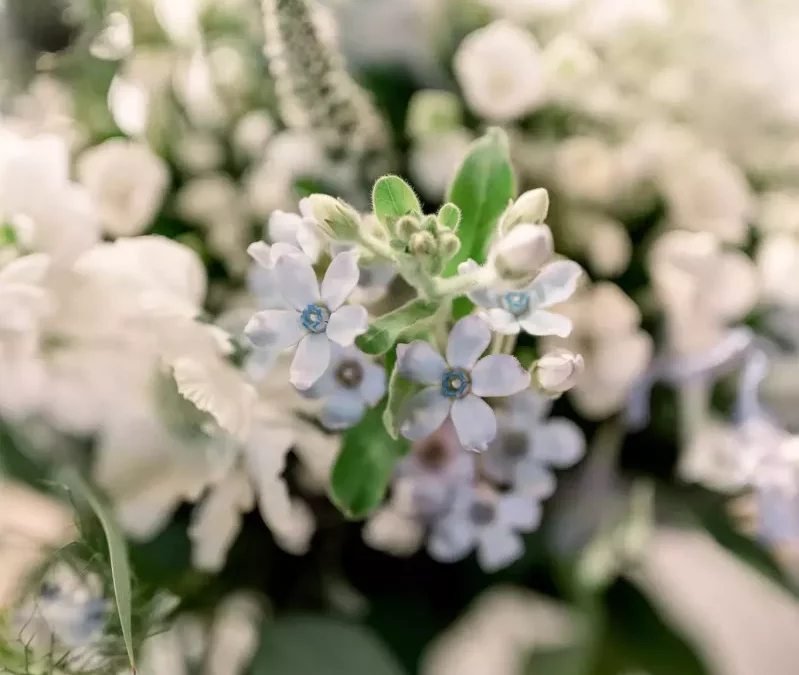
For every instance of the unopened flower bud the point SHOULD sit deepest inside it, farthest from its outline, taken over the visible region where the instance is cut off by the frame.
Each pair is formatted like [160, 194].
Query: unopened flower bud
[423, 244]
[334, 217]
[448, 245]
[531, 207]
[406, 227]
[523, 251]
[558, 371]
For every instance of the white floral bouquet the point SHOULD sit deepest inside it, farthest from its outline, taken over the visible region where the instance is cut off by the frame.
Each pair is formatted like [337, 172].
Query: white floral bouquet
[248, 370]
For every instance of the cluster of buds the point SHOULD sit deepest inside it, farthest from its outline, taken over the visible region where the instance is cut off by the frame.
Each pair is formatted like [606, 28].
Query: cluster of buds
[430, 240]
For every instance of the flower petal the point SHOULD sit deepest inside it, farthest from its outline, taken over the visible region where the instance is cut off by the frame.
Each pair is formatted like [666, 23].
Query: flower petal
[342, 410]
[419, 362]
[310, 361]
[297, 281]
[540, 322]
[498, 547]
[261, 253]
[475, 422]
[559, 443]
[451, 540]
[340, 279]
[520, 512]
[423, 413]
[347, 323]
[469, 338]
[533, 479]
[283, 226]
[373, 386]
[556, 283]
[275, 329]
[499, 375]
[501, 321]
[481, 297]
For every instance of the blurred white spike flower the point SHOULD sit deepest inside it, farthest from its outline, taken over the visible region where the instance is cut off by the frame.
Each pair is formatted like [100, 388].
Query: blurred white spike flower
[588, 169]
[317, 316]
[701, 286]
[24, 298]
[779, 212]
[350, 384]
[35, 187]
[615, 351]
[777, 261]
[488, 521]
[525, 310]
[499, 69]
[455, 386]
[434, 159]
[528, 446]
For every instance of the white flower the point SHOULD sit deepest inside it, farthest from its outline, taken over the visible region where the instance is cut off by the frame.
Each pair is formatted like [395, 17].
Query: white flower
[526, 309]
[777, 262]
[520, 253]
[490, 522]
[456, 386]
[434, 159]
[558, 371]
[24, 299]
[588, 169]
[528, 446]
[317, 316]
[298, 230]
[499, 69]
[350, 384]
[127, 182]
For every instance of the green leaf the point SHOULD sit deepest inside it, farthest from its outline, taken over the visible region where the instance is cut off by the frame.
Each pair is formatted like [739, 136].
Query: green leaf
[362, 472]
[315, 645]
[481, 189]
[449, 216]
[384, 332]
[399, 390]
[392, 197]
[117, 552]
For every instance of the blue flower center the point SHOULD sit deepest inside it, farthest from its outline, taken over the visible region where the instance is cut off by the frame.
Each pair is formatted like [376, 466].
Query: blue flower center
[516, 302]
[456, 383]
[314, 318]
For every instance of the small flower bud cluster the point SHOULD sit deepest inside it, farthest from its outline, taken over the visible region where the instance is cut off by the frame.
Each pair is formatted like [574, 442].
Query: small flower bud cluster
[431, 240]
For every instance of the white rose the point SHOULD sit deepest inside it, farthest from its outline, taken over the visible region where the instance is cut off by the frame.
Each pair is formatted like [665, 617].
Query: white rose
[127, 182]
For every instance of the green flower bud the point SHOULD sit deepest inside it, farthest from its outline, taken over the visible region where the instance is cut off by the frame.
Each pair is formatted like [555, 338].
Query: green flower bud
[531, 207]
[448, 245]
[423, 244]
[335, 217]
[406, 227]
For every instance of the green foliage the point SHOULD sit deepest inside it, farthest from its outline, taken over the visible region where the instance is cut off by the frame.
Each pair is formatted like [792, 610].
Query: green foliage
[306, 645]
[393, 198]
[482, 188]
[399, 390]
[362, 472]
[384, 332]
[117, 551]
[449, 216]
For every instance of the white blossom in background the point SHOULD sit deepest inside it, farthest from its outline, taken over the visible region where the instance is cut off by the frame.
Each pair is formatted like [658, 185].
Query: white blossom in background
[528, 446]
[350, 384]
[499, 70]
[614, 349]
[127, 183]
[317, 317]
[434, 158]
[777, 259]
[588, 169]
[483, 520]
[527, 309]
[455, 386]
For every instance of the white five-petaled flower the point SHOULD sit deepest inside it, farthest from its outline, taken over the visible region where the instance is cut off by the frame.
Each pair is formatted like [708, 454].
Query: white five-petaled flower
[526, 309]
[528, 446]
[349, 385]
[315, 316]
[456, 385]
[299, 230]
[490, 522]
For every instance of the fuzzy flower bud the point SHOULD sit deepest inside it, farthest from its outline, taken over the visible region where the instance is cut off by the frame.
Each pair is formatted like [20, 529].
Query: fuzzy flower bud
[531, 207]
[448, 245]
[335, 217]
[423, 244]
[523, 251]
[558, 371]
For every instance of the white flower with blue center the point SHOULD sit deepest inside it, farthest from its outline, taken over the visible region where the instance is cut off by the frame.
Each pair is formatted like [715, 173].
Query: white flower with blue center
[350, 384]
[315, 316]
[510, 312]
[456, 386]
[528, 446]
[482, 519]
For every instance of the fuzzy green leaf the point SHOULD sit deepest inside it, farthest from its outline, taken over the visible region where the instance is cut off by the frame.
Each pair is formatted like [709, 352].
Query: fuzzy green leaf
[392, 198]
[384, 332]
[117, 552]
[481, 189]
[362, 472]
[449, 216]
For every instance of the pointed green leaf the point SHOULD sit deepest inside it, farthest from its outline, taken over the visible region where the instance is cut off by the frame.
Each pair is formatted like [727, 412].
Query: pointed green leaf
[384, 332]
[449, 216]
[392, 197]
[117, 552]
[363, 470]
[481, 189]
